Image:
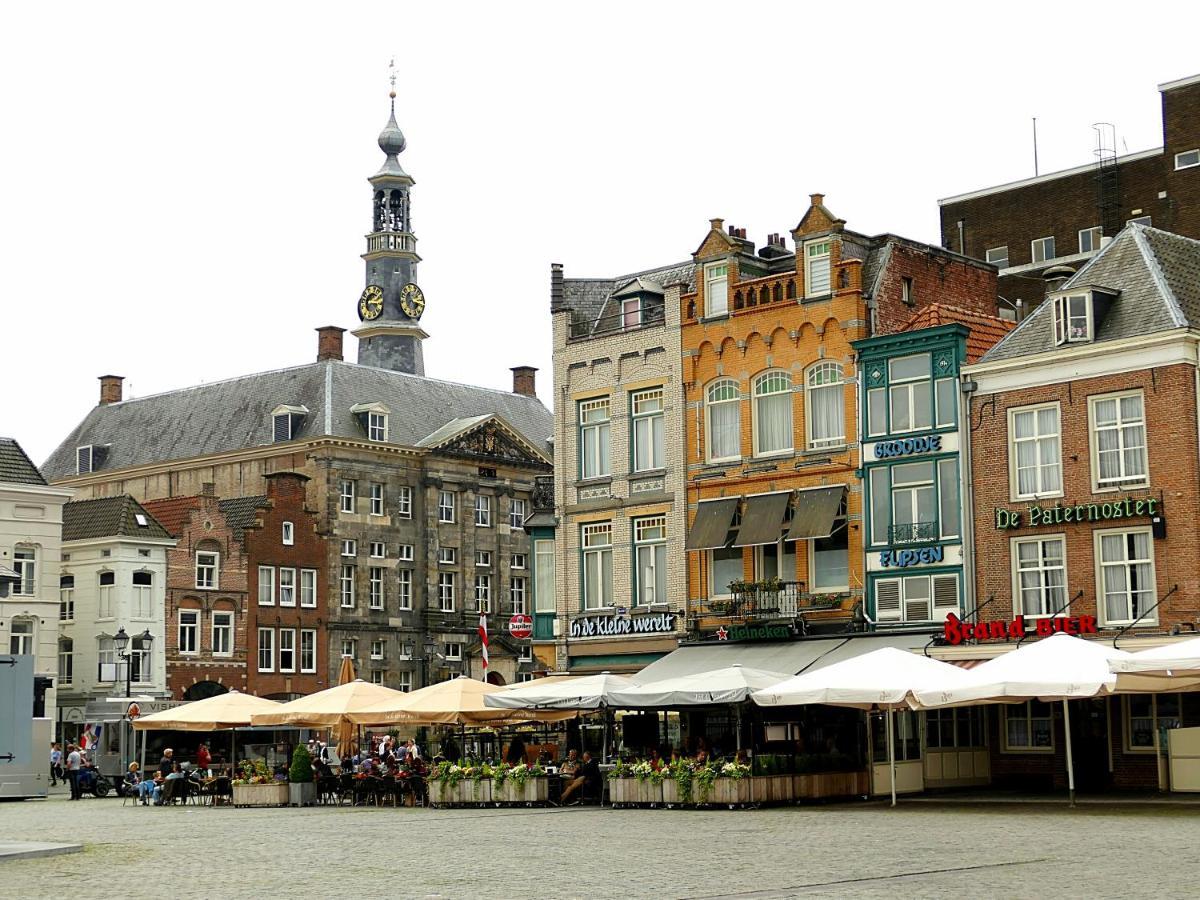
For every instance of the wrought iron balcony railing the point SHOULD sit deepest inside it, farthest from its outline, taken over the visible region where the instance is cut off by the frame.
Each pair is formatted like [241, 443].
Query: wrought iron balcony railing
[912, 533]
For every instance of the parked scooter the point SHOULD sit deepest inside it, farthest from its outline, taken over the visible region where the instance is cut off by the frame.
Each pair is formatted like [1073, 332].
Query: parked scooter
[92, 781]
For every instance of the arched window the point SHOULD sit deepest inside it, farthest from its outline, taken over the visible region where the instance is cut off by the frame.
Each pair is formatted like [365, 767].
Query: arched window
[824, 405]
[772, 413]
[722, 402]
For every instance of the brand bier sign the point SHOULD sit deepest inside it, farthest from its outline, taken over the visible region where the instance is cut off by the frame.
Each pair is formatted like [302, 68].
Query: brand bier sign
[613, 626]
[955, 630]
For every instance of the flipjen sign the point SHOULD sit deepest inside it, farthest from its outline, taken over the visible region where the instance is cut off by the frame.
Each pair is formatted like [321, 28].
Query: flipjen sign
[956, 630]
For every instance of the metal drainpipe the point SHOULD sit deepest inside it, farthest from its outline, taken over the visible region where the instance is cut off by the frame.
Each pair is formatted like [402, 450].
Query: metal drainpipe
[962, 239]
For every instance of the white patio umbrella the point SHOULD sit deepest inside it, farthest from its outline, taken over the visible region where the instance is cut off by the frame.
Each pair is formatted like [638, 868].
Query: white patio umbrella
[583, 692]
[1172, 667]
[1060, 667]
[885, 678]
[731, 684]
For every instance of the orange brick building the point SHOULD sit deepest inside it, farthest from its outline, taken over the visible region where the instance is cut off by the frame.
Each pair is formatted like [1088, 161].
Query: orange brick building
[770, 383]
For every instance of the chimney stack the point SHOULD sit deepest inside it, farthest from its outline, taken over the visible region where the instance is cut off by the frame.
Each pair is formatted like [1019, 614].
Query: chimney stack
[524, 381]
[816, 199]
[110, 389]
[557, 294]
[329, 343]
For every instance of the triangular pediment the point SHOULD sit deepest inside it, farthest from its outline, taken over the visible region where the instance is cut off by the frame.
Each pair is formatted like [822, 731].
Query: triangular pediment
[486, 437]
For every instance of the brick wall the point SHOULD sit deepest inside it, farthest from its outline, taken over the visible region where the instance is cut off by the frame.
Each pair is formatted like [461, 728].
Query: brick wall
[935, 278]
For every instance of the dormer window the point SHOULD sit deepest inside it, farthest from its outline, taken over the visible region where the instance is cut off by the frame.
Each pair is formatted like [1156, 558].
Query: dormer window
[1073, 319]
[286, 422]
[373, 417]
[89, 458]
[716, 289]
[816, 268]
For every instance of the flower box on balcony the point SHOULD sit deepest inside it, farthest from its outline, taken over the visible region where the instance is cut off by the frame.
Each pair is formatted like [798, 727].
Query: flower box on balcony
[261, 794]
[534, 790]
[632, 792]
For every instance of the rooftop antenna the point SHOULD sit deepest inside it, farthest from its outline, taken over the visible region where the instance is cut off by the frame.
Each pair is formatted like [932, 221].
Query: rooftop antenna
[1035, 159]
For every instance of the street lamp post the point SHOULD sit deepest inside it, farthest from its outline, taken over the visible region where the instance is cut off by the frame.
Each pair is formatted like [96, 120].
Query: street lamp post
[121, 645]
[429, 646]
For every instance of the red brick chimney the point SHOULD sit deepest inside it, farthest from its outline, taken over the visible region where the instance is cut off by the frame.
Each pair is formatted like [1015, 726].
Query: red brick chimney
[329, 343]
[524, 381]
[110, 389]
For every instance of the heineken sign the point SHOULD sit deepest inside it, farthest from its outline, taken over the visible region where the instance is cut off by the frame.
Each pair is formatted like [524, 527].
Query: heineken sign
[753, 633]
[1058, 514]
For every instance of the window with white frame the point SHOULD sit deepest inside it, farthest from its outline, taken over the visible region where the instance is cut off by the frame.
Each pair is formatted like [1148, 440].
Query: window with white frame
[289, 534]
[266, 585]
[1042, 249]
[454, 651]
[287, 649]
[189, 631]
[1028, 726]
[140, 661]
[206, 570]
[998, 257]
[716, 289]
[648, 429]
[447, 556]
[525, 654]
[517, 510]
[106, 658]
[308, 650]
[517, 594]
[222, 633]
[825, 406]
[20, 637]
[404, 681]
[404, 502]
[308, 587]
[406, 650]
[483, 593]
[1035, 451]
[404, 553]
[287, 587]
[106, 582]
[1187, 159]
[404, 588]
[377, 426]
[909, 394]
[66, 598]
[375, 576]
[346, 585]
[724, 569]
[916, 598]
[544, 599]
[1125, 574]
[266, 650]
[446, 506]
[1145, 717]
[594, 433]
[350, 648]
[377, 499]
[949, 504]
[483, 558]
[25, 565]
[597, 565]
[525, 677]
[1040, 575]
[722, 411]
[1090, 239]
[378, 550]
[143, 594]
[1073, 318]
[650, 549]
[445, 586]
[952, 728]
[817, 281]
[66, 661]
[914, 503]
[349, 548]
[377, 648]
[377, 676]
[346, 495]
[483, 511]
[1118, 440]
[772, 413]
[518, 561]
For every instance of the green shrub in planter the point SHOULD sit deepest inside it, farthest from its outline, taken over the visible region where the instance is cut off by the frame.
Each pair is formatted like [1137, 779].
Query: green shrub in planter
[301, 770]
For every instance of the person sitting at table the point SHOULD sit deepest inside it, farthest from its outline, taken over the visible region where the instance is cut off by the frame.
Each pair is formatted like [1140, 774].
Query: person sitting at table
[587, 774]
[655, 760]
[570, 766]
[133, 782]
[701, 756]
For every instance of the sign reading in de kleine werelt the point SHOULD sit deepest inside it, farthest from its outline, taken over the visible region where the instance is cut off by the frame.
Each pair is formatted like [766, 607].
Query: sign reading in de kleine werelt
[1058, 514]
[607, 626]
[955, 630]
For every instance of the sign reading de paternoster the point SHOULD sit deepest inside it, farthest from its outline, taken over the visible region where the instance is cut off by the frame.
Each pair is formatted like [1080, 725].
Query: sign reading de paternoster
[1060, 514]
[609, 626]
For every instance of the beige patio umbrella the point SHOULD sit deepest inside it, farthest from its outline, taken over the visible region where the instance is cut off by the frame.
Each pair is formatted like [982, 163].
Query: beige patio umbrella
[230, 710]
[329, 708]
[455, 702]
[347, 745]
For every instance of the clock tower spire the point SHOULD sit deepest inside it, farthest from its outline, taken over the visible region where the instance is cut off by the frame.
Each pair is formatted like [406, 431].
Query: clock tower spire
[391, 304]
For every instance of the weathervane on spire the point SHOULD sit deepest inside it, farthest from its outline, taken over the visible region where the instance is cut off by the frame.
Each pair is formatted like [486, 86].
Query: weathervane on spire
[392, 79]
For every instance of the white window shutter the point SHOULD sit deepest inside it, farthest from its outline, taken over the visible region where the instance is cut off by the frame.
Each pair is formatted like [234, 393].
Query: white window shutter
[945, 594]
[887, 600]
[917, 609]
[83, 460]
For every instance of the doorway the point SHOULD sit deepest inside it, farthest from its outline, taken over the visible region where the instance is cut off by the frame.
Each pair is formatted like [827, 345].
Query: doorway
[1089, 744]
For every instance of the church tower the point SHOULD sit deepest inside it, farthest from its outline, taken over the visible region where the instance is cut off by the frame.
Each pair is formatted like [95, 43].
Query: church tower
[391, 304]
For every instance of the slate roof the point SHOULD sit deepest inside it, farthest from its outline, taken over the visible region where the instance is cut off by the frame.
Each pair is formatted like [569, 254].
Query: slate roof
[1156, 275]
[172, 512]
[109, 517]
[234, 414]
[587, 297]
[986, 331]
[240, 512]
[15, 466]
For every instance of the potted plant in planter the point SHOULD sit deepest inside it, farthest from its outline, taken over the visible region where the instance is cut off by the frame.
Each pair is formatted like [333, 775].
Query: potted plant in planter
[678, 783]
[256, 786]
[523, 784]
[301, 790]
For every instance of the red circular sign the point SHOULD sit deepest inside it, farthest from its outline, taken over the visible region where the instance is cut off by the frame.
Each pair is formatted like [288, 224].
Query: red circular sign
[520, 626]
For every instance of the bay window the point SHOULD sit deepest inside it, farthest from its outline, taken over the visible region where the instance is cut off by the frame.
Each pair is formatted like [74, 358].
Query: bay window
[909, 393]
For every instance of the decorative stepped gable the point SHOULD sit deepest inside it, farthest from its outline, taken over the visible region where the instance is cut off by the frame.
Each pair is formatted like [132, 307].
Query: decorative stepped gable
[484, 437]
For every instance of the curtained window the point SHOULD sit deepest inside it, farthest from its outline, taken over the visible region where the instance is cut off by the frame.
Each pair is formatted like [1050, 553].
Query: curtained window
[772, 413]
[825, 406]
[722, 403]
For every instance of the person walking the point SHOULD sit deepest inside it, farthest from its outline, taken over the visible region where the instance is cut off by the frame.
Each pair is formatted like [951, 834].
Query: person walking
[56, 769]
[74, 764]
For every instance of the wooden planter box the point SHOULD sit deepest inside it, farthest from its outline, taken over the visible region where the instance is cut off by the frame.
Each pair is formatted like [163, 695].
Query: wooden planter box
[631, 792]
[534, 790]
[467, 792]
[831, 784]
[261, 794]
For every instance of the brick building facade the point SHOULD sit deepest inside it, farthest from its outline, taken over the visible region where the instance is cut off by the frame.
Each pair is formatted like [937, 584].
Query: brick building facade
[1061, 219]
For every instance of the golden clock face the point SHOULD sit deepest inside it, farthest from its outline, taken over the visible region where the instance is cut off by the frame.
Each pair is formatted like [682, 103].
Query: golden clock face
[412, 301]
[370, 304]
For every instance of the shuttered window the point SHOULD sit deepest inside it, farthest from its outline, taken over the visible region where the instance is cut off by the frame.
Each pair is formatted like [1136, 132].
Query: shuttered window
[916, 598]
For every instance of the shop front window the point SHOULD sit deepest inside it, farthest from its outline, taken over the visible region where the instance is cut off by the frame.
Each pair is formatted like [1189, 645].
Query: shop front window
[1028, 727]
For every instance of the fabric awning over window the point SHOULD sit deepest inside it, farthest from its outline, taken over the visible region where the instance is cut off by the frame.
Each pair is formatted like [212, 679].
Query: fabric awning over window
[815, 512]
[710, 528]
[762, 521]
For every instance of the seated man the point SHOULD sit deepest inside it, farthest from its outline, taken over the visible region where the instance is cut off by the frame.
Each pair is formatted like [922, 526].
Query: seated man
[176, 774]
[587, 774]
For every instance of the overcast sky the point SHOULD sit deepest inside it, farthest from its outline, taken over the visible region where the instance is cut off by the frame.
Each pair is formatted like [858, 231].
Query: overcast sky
[183, 186]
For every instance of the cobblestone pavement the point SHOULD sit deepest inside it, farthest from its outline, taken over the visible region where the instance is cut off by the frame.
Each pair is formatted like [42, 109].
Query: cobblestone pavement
[916, 850]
